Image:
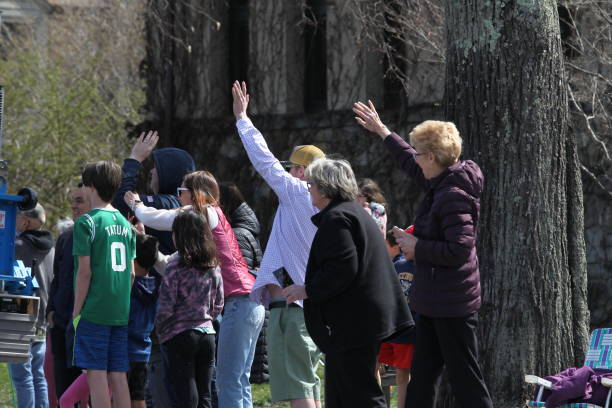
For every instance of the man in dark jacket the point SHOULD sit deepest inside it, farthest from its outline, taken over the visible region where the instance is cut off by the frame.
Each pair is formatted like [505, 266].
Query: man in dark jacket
[61, 298]
[34, 247]
[169, 167]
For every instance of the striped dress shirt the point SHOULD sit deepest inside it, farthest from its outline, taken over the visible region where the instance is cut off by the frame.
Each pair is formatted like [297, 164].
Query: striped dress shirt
[292, 230]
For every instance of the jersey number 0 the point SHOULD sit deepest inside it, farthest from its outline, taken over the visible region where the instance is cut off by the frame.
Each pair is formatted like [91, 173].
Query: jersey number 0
[118, 256]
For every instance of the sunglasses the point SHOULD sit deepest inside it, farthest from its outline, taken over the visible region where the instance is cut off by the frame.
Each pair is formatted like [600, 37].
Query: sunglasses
[179, 189]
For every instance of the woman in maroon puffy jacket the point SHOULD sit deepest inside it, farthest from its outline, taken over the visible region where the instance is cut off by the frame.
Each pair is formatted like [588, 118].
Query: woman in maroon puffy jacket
[446, 287]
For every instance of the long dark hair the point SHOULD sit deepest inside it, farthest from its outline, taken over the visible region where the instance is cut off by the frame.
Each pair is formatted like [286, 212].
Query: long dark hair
[194, 241]
[231, 197]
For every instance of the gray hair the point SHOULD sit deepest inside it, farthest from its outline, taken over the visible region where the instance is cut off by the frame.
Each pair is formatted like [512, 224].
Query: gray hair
[334, 179]
[37, 213]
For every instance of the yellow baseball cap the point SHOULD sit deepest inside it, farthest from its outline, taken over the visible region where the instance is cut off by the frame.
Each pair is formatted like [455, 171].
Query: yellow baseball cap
[303, 155]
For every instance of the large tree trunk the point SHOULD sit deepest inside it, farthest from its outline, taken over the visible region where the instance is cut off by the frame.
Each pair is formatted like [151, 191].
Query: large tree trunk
[505, 90]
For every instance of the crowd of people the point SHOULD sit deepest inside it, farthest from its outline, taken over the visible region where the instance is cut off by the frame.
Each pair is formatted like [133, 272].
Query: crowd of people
[157, 298]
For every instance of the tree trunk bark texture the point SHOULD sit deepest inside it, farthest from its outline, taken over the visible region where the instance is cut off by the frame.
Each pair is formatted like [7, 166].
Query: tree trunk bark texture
[505, 90]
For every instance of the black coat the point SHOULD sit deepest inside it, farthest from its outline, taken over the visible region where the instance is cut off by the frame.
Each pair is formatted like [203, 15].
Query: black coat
[246, 228]
[354, 296]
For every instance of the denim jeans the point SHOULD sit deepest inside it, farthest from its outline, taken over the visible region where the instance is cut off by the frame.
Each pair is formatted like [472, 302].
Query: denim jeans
[29, 379]
[240, 327]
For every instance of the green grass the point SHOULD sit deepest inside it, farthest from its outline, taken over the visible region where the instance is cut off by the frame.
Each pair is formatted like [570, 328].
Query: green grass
[6, 387]
[260, 392]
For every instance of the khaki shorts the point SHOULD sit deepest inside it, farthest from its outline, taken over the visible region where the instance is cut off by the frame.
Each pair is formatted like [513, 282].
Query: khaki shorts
[292, 356]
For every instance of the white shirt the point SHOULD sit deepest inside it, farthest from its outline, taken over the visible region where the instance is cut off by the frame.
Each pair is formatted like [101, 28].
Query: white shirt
[292, 230]
[162, 219]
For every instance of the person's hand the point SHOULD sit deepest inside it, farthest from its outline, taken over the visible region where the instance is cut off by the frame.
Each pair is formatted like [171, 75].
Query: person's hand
[294, 292]
[241, 100]
[144, 145]
[407, 242]
[131, 199]
[368, 118]
[137, 225]
[50, 322]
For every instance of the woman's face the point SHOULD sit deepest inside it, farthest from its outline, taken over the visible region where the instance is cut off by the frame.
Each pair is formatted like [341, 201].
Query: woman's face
[185, 196]
[427, 163]
[318, 199]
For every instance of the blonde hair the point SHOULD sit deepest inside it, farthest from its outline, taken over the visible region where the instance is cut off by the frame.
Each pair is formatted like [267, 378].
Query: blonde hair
[439, 138]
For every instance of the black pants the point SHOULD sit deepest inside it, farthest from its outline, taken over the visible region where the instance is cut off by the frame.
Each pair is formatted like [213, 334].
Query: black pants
[350, 380]
[64, 373]
[449, 341]
[191, 356]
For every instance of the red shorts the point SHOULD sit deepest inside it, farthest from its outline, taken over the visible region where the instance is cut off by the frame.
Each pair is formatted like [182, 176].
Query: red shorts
[396, 355]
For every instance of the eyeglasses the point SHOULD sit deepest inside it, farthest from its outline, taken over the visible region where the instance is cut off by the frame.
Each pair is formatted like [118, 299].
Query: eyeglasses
[419, 154]
[179, 189]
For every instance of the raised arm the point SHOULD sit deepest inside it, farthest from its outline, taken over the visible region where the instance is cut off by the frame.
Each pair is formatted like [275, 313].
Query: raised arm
[131, 167]
[368, 118]
[268, 166]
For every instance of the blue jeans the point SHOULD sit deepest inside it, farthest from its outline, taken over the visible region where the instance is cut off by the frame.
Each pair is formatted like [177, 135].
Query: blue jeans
[29, 379]
[240, 327]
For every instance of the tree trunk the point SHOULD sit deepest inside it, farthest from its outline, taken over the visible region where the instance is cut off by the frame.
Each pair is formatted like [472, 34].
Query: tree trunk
[505, 90]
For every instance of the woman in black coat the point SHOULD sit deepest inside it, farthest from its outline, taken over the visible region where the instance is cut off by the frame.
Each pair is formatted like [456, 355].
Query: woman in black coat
[353, 299]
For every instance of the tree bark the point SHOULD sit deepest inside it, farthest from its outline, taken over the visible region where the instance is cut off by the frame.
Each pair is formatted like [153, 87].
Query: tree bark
[505, 90]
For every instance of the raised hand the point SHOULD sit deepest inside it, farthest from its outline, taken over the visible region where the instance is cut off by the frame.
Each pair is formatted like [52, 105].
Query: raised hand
[369, 119]
[241, 100]
[144, 145]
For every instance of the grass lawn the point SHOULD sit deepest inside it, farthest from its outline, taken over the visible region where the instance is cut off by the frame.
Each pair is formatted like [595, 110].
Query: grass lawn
[261, 392]
[6, 394]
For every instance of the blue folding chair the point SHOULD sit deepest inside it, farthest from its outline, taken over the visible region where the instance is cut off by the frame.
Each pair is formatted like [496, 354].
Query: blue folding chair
[599, 356]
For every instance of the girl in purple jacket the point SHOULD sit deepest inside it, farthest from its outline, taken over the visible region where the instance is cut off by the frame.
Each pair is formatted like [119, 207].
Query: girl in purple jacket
[191, 297]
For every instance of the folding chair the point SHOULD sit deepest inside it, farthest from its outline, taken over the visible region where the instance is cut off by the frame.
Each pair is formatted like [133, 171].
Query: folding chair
[599, 356]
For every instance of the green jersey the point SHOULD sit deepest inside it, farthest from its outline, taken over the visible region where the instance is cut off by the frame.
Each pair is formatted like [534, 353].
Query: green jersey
[108, 239]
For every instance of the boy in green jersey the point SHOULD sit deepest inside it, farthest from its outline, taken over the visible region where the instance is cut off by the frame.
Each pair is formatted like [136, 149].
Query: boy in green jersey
[104, 247]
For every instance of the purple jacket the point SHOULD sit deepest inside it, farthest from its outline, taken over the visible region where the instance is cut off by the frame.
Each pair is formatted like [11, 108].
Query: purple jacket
[577, 385]
[189, 298]
[447, 280]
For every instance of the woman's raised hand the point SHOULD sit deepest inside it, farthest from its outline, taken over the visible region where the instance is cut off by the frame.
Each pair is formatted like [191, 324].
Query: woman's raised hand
[241, 99]
[369, 119]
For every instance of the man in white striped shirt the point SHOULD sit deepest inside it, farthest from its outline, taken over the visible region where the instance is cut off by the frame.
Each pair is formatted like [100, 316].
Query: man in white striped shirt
[292, 355]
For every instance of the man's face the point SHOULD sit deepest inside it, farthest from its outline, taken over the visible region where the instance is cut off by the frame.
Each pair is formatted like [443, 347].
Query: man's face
[297, 172]
[23, 223]
[79, 203]
[154, 183]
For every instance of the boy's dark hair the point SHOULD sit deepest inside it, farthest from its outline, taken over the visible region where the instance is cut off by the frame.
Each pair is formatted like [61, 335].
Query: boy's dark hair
[105, 177]
[147, 247]
[231, 197]
[391, 239]
[194, 240]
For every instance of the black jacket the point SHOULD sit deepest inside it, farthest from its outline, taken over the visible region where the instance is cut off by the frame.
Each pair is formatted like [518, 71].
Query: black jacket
[61, 295]
[35, 249]
[246, 228]
[354, 296]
